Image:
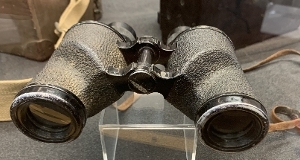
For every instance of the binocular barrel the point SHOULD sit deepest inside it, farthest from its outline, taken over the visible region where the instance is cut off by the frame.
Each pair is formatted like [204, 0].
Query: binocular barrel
[214, 91]
[76, 71]
[92, 68]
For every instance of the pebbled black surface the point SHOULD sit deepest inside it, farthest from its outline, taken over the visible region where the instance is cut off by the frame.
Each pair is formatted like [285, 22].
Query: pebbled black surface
[79, 65]
[206, 58]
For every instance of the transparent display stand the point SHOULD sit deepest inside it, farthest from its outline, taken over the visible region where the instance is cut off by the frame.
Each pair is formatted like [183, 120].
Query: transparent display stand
[150, 128]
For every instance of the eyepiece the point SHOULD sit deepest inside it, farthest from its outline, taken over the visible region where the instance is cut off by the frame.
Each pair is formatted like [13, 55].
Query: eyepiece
[233, 123]
[125, 30]
[175, 32]
[48, 113]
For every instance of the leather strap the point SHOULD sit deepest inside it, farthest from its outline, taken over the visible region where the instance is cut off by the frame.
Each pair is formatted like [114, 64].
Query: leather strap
[271, 58]
[128, 102]
[9, 88]
[285, 125]
[279, 124]
[287, 111]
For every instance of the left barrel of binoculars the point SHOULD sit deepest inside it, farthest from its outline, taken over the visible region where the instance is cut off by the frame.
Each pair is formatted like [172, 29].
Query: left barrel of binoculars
[54, 106]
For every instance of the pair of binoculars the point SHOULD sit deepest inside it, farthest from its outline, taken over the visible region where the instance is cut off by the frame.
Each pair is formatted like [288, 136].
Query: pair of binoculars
[196, 71]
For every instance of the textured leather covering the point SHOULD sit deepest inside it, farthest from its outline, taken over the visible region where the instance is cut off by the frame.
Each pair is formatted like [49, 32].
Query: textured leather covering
[206, 58]
[79, 65]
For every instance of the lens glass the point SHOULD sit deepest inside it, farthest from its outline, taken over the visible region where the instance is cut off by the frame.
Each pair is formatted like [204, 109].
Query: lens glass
[233, 129]
[48, 113]
[231, 124]
[49, 117]
[46, 117]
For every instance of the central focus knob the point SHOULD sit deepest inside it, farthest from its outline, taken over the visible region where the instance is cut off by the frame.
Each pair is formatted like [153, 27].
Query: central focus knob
[142, 82]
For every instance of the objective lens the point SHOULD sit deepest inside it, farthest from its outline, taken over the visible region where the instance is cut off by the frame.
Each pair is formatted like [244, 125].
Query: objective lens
[48, 117]
[232, 123]
[232, 129]
[48, 113]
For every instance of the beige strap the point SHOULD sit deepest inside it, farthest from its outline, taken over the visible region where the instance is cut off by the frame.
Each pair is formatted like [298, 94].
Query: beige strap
[8, 91]
[69, 17]
[9, 88]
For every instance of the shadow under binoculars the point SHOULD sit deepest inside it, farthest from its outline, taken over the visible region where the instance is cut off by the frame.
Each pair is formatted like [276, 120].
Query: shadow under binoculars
[96, 63]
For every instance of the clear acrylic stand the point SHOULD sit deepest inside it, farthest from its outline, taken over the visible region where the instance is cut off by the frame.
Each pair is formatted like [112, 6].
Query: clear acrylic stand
[150, 129]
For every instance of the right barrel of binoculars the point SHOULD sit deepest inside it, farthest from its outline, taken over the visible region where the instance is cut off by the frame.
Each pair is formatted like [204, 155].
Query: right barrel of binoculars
[214, 91]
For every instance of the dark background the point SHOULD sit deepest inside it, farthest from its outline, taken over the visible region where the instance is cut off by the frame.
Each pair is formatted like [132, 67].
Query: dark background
[275, 84]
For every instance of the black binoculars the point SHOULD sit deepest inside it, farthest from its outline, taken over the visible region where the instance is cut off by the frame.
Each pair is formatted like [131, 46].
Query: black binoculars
[196, 71]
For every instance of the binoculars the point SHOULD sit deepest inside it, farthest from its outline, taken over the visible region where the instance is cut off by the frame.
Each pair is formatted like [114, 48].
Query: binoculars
[196, 71]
